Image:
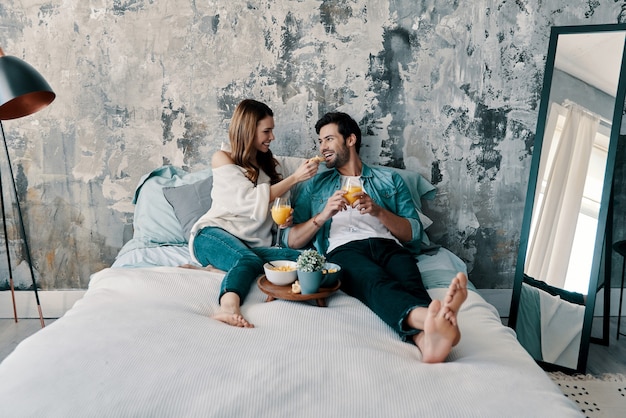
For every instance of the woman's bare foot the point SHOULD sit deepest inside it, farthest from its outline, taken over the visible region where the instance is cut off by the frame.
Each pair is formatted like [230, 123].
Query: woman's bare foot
[234, 319]
[455, 296]
[439, 334]
[229, 312]
[205, 268]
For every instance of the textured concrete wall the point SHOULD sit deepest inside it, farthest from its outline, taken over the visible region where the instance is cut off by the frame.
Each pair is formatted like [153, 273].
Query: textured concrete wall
[447, 88]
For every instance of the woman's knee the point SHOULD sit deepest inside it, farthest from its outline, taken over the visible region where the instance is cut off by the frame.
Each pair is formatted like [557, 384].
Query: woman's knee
[219, 248]
[251, 260]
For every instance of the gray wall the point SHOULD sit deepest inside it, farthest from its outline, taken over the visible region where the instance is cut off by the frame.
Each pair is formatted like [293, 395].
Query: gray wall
[447, 88]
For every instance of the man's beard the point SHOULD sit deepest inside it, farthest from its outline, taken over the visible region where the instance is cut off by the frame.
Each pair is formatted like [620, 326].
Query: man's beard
[341, 158]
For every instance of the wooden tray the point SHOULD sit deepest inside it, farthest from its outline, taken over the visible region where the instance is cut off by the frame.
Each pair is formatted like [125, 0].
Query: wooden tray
[274, 291]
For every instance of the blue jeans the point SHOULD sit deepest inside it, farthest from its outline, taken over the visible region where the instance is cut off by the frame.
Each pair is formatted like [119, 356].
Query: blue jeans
[384, 276]
[241, 263]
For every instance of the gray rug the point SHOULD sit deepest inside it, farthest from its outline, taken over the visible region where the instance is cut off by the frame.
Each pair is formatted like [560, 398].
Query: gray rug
[597, 396]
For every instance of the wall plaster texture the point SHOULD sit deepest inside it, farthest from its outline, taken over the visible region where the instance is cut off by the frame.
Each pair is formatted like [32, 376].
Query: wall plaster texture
[450, 89]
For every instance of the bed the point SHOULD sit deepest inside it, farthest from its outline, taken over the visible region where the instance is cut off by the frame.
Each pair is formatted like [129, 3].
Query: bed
[140, 342]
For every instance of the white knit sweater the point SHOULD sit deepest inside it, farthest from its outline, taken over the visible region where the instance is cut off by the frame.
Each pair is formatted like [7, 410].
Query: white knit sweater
[238, 207]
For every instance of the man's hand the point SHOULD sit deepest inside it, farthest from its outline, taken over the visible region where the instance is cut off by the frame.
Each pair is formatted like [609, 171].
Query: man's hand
[335, 204]
[365, 204]
[398, 226]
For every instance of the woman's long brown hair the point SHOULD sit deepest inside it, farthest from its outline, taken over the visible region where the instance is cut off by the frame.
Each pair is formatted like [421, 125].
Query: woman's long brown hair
[241, 133]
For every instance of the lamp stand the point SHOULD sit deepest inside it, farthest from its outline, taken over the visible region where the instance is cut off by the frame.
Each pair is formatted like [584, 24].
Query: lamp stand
[22, 232]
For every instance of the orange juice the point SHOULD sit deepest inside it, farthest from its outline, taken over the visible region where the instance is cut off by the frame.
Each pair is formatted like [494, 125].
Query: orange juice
[350, 194]
[281, 213]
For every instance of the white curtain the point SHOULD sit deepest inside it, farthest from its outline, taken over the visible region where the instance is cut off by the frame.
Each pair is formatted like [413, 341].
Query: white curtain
[556, 213]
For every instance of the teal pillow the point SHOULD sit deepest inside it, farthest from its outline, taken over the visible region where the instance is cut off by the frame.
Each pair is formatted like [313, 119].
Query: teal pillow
[190, 202]
[154, 221]
[419, 187]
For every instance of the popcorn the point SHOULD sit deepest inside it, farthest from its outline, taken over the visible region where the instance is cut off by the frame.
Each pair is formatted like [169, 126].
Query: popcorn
[295, 287]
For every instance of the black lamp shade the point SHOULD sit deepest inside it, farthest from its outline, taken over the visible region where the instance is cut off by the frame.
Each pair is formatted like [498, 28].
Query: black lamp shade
[23, 91]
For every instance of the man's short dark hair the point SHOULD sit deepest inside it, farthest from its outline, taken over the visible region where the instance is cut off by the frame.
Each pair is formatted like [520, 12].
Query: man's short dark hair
[345, 125]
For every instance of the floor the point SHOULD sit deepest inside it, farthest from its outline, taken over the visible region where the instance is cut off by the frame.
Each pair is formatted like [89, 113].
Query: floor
[11, 333]
[602, 359]
[608, 359]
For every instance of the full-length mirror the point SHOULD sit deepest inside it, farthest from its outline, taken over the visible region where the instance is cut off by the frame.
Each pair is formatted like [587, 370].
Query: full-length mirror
[562, 235]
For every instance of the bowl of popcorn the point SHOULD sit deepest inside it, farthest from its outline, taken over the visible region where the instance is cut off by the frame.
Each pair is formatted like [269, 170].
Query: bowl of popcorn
[281, 272]
[330, 274]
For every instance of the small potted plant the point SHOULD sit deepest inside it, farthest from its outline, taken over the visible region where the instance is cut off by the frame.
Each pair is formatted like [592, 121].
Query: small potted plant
[310, 261]
[309, 265]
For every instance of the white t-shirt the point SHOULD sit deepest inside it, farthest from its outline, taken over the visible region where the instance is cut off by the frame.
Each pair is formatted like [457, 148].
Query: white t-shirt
[364, 225]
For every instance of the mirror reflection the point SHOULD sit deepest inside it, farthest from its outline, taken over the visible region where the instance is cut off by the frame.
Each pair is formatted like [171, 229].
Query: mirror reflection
[566, 208]
[574, 155]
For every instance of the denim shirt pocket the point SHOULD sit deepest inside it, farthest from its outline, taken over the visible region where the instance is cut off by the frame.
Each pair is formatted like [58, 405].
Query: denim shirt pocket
[318, 201]
[386, 197]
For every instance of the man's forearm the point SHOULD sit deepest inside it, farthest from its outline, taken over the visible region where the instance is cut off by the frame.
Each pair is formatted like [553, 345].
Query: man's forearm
[301, 234]
[400, 227]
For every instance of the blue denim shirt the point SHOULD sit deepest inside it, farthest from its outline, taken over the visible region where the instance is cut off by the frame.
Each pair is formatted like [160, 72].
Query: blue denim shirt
[384, 186]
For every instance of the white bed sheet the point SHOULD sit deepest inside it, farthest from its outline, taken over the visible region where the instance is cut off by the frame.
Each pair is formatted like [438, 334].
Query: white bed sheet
[437, 267]
[140, 343]
[166, 255]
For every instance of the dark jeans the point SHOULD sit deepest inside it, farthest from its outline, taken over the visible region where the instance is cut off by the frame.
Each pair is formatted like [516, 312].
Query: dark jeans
[384, 276]
[241, 263]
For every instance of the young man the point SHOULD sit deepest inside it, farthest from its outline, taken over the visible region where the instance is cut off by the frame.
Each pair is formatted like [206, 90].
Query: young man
[372, 245]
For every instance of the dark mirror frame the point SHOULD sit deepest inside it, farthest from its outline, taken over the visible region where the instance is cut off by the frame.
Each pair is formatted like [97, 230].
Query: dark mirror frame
[599, 245]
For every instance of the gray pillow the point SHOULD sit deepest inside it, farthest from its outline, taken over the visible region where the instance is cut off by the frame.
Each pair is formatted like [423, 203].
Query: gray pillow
[190, 202]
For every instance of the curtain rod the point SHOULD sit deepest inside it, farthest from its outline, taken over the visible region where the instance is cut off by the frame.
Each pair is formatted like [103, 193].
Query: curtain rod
[569, 103]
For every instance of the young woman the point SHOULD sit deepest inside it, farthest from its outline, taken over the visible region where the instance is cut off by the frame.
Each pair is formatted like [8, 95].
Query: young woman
[235, 235]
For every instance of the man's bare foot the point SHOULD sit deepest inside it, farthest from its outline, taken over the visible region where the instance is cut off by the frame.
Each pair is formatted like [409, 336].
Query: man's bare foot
[234, 319]
[455, 296]
[439, 334]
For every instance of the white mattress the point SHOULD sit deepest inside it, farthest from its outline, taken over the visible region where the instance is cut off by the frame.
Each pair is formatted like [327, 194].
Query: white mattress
[140, 343]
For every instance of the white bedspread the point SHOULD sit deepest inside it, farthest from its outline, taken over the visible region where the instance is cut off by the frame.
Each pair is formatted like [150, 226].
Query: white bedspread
[140, 344]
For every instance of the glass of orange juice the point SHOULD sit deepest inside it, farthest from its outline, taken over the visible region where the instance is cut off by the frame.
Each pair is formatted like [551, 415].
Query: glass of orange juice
[281, 210]
[352, 186]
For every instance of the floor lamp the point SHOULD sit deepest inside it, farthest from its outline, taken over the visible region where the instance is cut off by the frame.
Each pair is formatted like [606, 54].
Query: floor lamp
[23, 91]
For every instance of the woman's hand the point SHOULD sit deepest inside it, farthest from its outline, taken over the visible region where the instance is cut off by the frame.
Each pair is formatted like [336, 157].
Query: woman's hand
[306, 170]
